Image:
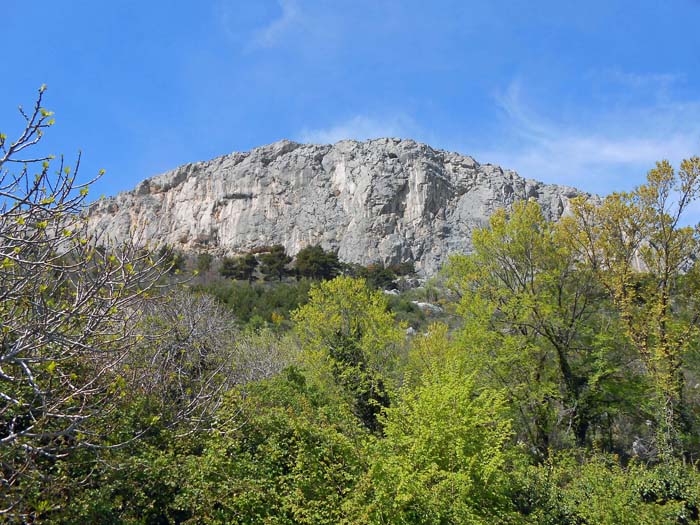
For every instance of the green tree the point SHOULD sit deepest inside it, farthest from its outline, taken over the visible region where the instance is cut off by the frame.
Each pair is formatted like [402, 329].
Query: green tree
[647, 262]
[442, 459]
[535, 324]
[348, 329]
[239, 268]
[258, 300]
[378, 276]
[315, 263]
[274, 263]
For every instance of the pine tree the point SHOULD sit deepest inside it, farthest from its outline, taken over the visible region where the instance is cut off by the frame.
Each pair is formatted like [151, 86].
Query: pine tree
[274, 263]
[239, 268]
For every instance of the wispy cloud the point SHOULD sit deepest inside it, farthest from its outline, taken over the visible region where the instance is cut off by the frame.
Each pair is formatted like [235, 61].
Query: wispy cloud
[284, 25]
[272, 34]
[657, 85]
[362, 127]
[603, 152]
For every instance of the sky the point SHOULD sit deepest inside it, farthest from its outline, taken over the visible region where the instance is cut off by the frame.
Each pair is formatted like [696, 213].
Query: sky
[588, 94]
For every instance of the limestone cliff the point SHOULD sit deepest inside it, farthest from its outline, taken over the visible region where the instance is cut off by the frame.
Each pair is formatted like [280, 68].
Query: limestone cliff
[383, 200]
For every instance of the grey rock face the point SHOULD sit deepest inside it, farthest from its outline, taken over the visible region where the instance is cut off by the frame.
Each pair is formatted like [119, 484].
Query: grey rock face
[383, 200]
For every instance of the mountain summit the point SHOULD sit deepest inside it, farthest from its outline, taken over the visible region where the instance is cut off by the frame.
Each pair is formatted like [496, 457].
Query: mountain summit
[383, 200]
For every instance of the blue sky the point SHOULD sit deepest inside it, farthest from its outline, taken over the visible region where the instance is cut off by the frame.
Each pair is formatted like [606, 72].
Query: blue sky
[588, 94]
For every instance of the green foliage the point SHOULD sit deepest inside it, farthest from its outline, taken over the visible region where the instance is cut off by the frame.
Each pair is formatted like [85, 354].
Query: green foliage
[559, 389]
[377, 276]
[346, 328]
[316, 263]
[287, 455]
[274, 263]
[637, 249]
[533, 317]
[204, 261]
[239, 268]
[268, 303]
[570, 491]
[429, 352]
[442, 458]
[66, 322]
[405, 311]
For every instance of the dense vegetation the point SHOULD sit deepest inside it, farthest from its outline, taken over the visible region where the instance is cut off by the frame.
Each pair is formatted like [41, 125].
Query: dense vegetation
[548, 378]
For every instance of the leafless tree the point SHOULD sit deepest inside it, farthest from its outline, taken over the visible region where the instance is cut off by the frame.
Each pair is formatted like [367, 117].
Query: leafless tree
[191, 353]
[261, 355]
[185, 358]
[67, 310]
[86, 328]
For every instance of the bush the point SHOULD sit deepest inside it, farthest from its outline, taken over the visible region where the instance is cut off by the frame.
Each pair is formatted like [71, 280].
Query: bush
[567, 490]
[288, 455]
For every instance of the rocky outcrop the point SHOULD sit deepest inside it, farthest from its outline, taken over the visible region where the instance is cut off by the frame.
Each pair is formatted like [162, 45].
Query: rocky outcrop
[383, 200]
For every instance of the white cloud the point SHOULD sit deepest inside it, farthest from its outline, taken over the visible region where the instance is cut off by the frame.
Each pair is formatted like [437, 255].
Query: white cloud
[610, 151]
[275, 31]
[279, 30]
[362, 127]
